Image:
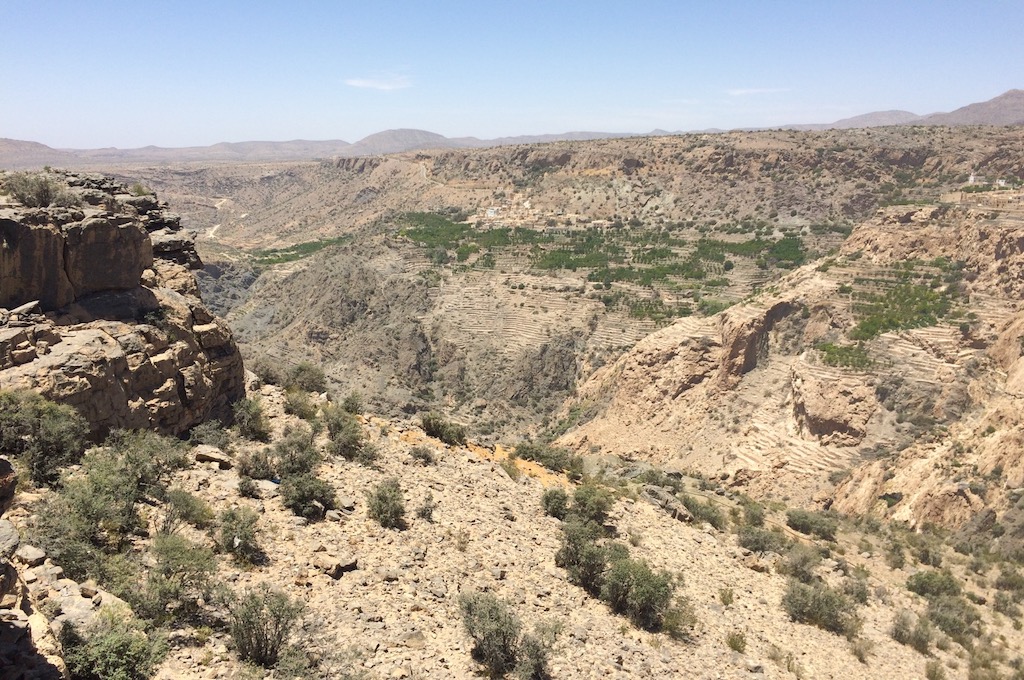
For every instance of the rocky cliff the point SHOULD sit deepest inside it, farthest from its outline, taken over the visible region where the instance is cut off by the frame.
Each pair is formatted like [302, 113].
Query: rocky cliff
[99, 309]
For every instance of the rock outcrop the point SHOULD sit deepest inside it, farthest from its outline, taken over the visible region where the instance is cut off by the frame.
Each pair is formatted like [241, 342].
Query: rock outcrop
[106, 315]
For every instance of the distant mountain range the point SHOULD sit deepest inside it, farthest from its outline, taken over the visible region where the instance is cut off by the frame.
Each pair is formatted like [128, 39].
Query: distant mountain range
[1006, 109]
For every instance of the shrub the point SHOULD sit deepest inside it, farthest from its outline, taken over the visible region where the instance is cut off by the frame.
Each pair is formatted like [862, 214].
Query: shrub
[247, 488]
[902, 627]
[552, 457]
[580, 556]
[726, 596]
[180, 576]
[436, 426]
[423, 454]
[495, 631]
[353, 403]
[800, 562]
[861, 649]
[307, 377]
[933, 670]
[115, 648]
[933, 583]
[386, 504]
[592, 503]
[426, 511]
[345, 433]
[256, 465]
[705, 512]
[211, 433]
[307, 495]
[261, 622]
[555, 502]
[955, 616]
[737, 641]
[43, 435]
[821, 606]
[812, 524]
[298, 403]
[239, 534]
[753, 513]
[294, 453]
[38, 191]
[250, 420]
[185, 507]
[763, 540]
[633, 589]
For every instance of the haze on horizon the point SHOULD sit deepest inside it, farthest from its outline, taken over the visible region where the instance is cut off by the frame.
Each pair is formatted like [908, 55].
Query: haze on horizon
[189, 73]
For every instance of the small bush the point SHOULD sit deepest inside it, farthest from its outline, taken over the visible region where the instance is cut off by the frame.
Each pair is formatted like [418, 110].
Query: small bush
[436, 426]
[211, 433]
[902, 627]
[633, 589]
[261, 622]
[422, 454]
[705, 512]
[38, 191]
[753, 514]
[298, 403]
[553, 458]
[307, 495]
[353, 403]
[857, 590]
[494, 629]
[115, 648]
[821, 606]
[181, 575]
[183, 507]
[247, 488]
[256, 465]
[592, 503]
[580, 556]
[956, 617]
[239, 535]
[43, 435]
[555, 502]
[345, 433]
[426, 511]
[307, 377]
[736, 641]
[250, 420]
[800, 563]
[726, 596]
[294, 453]
[933, 583]
[933, 670]
[812, 524]
[862, 649]
[762, 540]
[386, 504]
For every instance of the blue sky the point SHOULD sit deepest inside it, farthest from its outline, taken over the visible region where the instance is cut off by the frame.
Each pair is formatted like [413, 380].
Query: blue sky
[177, 73]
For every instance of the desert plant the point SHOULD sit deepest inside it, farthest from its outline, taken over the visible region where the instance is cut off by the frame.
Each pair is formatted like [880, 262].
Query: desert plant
[307, 377]
[436, 426]
[307, 495]
[261, 622]
[44, 436]
[632, 588]
[933, 670]
[763, 540]
[800, 563]
[294, 452]
[812, 523]
[705, 511]
[554, 458]
[345, 433]
[932, 583]
[116, 647]
[256, 465]
[555, 502]
[726, 596]
[422, 454]
[821, 606]
[591, 503]
[955, 616]
[298, 403]
[239, 535]
[247, 488]
[180, 575]
[580, 555]
[250, 419]
[861, 648]
[37, 190]
[495, 631]
[426, 511]
[211, 433]
[353, 403]
[736, 641]
[183, 507]
[386, 505]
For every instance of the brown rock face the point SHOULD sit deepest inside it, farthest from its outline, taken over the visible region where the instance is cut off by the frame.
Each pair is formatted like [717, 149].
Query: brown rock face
[834, 411]
[126, 341]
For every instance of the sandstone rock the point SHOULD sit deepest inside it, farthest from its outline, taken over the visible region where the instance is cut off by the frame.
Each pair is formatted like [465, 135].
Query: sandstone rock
[9, 539]
[836, 411]
[204, 453]
[30, 556]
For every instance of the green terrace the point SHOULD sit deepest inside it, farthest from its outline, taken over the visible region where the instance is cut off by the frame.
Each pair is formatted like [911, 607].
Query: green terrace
[272, 256]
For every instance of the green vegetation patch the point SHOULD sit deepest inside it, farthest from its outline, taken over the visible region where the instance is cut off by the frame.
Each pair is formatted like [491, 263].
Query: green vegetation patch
[907, 305]
[849, 356]
[272, 256]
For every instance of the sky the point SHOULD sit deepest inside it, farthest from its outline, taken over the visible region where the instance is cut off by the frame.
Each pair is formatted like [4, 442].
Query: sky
[192, 73]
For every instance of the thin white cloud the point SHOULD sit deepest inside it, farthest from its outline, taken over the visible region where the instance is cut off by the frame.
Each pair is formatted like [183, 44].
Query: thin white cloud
[743, 92]
[385, 83]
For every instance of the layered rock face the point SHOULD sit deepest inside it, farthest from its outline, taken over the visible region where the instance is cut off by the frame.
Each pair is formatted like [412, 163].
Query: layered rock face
[103, 313]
